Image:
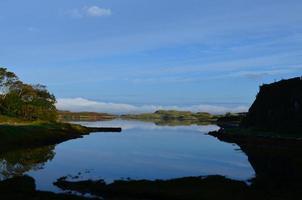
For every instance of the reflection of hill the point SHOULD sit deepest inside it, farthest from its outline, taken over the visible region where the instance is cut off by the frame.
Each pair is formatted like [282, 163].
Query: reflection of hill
[20, 161]
[179, 123]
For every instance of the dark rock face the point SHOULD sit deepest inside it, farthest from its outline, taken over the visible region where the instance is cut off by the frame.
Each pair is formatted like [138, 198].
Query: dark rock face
[278, 107]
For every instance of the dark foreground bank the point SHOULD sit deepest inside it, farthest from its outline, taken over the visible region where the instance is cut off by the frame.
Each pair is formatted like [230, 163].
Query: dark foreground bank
[213, 187]
[24, 188]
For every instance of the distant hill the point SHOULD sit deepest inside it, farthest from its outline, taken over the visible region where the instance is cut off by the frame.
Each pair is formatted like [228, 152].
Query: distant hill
[84, 116]
[173, 117]
[278, 107]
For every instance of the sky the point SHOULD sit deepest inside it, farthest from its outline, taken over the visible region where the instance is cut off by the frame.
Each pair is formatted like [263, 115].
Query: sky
[140, 55]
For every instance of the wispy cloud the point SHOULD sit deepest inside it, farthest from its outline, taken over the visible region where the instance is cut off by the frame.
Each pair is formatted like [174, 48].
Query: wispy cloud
[95, 11]
[89, 11]
[81, 104]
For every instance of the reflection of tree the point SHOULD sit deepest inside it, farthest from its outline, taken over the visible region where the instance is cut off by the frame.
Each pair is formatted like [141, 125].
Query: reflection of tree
[18, 162]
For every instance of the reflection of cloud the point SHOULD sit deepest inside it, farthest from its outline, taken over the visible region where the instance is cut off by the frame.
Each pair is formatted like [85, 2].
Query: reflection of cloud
[133, 124]
[81, 104]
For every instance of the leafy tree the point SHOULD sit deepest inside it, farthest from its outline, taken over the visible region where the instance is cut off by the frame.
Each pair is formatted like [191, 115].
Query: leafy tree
[30, 102]
[7, 79]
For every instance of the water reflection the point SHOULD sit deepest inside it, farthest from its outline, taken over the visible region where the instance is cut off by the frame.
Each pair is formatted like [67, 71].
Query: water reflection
[142, 151]
[135, 124]
[16, 163]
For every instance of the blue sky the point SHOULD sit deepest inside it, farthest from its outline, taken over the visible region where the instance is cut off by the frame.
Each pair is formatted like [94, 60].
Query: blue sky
[185, 53]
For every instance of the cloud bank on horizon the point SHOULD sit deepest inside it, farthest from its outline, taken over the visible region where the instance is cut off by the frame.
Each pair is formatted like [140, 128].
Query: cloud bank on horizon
[81, 105]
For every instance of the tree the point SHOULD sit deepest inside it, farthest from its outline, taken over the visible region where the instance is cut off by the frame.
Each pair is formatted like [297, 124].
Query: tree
[30, 102]
[7, 79]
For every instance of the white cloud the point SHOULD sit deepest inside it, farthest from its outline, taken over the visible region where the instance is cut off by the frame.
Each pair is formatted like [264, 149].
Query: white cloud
[95, 11]
[89, 11]
[81, 104]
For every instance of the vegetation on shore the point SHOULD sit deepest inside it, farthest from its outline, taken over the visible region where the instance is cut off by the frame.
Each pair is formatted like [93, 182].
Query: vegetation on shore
[12, 120]
[28, 116]
[25, 101]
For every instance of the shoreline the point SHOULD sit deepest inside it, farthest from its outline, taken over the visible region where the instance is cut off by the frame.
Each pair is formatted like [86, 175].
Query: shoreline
[42, 134]
[235, 133]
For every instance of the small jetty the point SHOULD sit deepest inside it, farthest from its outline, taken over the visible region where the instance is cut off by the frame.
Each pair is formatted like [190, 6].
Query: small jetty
[105, 129]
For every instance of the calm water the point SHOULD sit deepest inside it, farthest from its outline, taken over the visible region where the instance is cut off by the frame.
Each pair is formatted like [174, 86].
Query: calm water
[142, 151]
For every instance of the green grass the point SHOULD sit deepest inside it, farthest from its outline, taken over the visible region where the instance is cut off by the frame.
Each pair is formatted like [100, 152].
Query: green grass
[16, 133]
[11, 120]
[20, 134]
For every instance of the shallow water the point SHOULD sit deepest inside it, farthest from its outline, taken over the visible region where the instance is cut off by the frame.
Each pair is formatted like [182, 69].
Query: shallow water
[141, 151]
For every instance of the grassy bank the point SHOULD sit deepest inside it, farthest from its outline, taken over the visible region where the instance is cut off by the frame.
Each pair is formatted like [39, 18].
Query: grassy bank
[20, 135]
[11, 120]
[24, 134]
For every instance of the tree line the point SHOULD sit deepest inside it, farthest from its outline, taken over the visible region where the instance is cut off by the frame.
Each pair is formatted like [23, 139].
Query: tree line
[26, 101]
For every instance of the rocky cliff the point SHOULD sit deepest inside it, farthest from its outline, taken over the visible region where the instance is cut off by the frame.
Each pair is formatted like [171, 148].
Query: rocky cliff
[278, 107]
